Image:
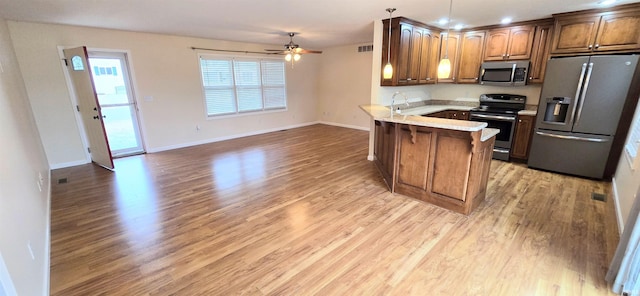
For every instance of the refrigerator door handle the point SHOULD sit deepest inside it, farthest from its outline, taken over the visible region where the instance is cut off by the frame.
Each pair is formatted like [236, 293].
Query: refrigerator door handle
[596, 140]
[584, 94]
[578, 91]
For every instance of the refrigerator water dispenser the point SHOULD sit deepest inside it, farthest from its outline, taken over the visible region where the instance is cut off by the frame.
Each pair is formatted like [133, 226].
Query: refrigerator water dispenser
[556, 111]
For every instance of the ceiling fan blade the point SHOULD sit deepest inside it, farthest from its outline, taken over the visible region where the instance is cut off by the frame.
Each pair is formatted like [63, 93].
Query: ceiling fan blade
[308, 51]
[273, 50]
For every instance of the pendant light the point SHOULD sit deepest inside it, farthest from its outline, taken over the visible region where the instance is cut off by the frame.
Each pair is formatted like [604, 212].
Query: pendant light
[444, 68]
[387, 73]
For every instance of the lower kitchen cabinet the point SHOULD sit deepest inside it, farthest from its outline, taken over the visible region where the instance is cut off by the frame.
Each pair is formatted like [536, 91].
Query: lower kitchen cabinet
[384, 150]
[447, 168]
[450, 114]
[522, 137]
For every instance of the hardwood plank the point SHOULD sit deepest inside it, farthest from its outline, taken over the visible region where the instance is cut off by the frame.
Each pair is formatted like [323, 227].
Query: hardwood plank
[302, 212]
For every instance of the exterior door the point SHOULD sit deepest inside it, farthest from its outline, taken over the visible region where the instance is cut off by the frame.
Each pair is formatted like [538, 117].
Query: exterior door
[117, 104]
[88, 106]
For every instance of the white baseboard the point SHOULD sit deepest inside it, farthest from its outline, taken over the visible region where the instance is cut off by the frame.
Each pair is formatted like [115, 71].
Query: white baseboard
[616, 202]
[230, 137]
[345, 125]
[47, 242]
[68, 164]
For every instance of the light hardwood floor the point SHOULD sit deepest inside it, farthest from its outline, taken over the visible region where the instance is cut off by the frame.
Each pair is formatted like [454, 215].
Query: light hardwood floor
[302, 212]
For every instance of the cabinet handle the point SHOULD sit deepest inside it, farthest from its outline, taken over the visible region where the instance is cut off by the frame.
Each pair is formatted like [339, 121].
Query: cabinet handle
[519, 120]
[590, 46]
[428, 78]
[408, 79]
[597, 45]
[476, 78]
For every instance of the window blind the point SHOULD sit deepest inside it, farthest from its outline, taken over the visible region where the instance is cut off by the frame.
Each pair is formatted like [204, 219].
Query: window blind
[237, 85]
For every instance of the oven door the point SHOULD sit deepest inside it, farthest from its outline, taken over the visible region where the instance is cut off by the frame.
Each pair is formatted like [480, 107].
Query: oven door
[505, 123]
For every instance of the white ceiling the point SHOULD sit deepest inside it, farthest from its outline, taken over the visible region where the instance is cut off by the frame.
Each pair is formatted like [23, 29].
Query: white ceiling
[319, 24]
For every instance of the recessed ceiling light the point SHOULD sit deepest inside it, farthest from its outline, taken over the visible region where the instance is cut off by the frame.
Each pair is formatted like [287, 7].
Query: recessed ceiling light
[606, 2]
[505, 20]
[443, 21]
[458, 27]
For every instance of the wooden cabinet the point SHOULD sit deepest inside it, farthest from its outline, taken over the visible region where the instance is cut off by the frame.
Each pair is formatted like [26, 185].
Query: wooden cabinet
[540, 53]
[384, 150]
[452, 53]
[447, 168]
[513, 43]
[522, 137]
[414, 52]
[470, 57]
[597, 32]
[450, 114]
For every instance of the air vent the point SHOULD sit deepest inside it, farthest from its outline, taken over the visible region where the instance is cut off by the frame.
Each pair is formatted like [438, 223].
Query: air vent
[365, 48]
[598, 196]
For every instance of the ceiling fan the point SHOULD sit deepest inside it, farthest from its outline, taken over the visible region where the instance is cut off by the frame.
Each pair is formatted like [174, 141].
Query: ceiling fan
[292, 51]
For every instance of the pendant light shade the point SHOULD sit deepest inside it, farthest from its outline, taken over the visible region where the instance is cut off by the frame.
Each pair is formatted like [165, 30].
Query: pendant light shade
[444, 68]
[387, 72]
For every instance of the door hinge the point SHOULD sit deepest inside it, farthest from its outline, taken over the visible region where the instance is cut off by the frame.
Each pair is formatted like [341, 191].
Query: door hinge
[65, 62]
[89, 150]
[78, 108]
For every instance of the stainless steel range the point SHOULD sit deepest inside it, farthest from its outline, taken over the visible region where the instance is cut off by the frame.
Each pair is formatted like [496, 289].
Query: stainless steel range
[500, 111]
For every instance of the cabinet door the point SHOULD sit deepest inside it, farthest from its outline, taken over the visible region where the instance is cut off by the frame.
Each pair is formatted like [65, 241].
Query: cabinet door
[522, 137]
[384, 150]
[451, 154]
[540, 53]
[575, 34]
[415, 54]
[618, 31]
[414, 145]
[452, 52]
[470, 57]
[429, 58]
[520, 41]
[404, 54]
[497, 44]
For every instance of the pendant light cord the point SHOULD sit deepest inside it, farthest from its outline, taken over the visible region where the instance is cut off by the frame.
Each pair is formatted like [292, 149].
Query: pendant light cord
[446, 49]
[390, 10]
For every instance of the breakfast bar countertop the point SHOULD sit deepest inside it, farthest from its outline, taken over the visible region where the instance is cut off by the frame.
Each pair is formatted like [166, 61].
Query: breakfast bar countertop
[412, 117]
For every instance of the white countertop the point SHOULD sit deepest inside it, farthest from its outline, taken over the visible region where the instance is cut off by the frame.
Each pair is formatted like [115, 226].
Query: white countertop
[487, 133]
[412, 116]
[528, 112]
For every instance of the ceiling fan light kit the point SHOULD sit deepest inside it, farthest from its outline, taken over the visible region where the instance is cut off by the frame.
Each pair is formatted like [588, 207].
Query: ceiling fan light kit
[387, 72]
[292, 51]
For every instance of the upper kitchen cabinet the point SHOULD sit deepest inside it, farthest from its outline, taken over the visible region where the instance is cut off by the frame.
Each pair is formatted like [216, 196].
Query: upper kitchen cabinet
[414, 52]
[470, 57]
[540, 52]
[452, 42]
[512, 43]
[592, 32]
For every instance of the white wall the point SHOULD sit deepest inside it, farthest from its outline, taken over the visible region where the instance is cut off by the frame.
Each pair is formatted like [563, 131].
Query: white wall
[626, 184]
[344, 83]
[165, 68]
[24, 209]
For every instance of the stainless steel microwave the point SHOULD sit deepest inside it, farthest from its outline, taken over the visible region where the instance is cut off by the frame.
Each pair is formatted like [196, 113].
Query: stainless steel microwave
[513, 73]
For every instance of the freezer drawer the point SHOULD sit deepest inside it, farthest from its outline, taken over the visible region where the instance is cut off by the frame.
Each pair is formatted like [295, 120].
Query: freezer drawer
[570, 153]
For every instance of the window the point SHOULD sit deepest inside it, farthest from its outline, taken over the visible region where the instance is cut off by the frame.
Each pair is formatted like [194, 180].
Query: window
[633, 142]
[240, 85]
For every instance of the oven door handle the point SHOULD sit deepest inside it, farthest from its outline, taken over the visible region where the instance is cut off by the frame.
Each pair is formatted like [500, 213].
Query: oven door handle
[497, 117]
[513, 73]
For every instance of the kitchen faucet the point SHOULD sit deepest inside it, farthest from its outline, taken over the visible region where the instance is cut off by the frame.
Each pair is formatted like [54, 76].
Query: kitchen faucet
[393, 100]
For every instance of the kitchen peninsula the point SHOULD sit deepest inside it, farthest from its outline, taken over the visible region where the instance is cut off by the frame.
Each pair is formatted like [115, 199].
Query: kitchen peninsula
[441, 161]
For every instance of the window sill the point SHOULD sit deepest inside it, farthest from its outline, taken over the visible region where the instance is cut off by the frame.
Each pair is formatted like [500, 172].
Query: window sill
[248, 113]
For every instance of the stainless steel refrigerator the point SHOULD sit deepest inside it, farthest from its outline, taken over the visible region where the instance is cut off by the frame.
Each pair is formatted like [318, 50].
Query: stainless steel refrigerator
[578, 113]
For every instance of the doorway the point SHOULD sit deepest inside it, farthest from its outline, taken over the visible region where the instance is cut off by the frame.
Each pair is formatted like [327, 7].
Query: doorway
[110, 75]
